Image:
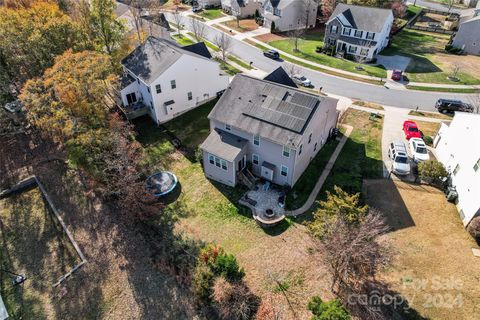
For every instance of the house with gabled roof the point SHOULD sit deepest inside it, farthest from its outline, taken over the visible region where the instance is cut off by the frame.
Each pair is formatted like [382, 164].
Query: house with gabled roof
[361, 32]
[287, 15]
[164, 80]
[241, 8]
[268, 129]
[467, 37]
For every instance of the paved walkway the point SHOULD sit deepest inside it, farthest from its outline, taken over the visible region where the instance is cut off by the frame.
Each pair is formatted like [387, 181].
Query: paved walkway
[318, 186]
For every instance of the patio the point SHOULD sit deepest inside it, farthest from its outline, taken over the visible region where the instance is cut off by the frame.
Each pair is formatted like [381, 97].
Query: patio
[264, 203]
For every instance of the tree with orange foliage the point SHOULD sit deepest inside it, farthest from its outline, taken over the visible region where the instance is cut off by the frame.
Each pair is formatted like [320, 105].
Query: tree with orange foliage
[72, 96]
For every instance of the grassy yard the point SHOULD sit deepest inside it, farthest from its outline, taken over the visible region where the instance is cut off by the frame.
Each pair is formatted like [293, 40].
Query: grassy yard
[371, 105]
[361, 157]
[240, 62]
[439, 89]
[244, 25]
[182, 40]
[33, 243]
[428, 128]
[430, 63]
[307, 47]
[229, 69]
[430, 115]
[211, 213]
[211, 14]
[431, 250]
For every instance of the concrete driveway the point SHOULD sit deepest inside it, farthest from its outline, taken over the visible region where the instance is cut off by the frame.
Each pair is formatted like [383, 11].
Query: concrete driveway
[393, 62]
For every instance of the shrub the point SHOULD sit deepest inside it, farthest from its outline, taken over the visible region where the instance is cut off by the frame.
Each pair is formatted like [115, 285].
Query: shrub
[221, 263]
[203, 280]
[272, 27]
[233, 300]
[431, 171]
[428, 140]
[474, 228]
[332, 309]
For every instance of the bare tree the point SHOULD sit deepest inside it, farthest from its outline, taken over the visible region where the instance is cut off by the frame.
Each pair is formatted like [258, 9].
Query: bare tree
[136, 8]
[224, 43]
[177, 17]
[292, 69]
[234, 300]
[295, 36]
[198, 29]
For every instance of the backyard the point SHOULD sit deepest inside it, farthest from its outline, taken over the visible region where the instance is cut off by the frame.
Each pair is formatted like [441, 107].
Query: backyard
[34, 244]
[432, 250]
[307, 46]
[429, 61]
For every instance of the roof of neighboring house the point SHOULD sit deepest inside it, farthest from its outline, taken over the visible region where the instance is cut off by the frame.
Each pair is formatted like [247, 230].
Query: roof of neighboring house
[126, 80]
[274, 3]
[162, 20]
[3, 310]
[273, 111]
[357, 41]
[199, 48]
[280, 76]
[223, 144]
[149, 60]
[362, 18]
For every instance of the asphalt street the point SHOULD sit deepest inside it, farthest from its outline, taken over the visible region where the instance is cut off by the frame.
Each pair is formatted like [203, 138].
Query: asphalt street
[332, 84]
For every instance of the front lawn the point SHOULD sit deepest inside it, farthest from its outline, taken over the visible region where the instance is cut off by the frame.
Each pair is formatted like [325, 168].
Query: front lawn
[182, 40]
[309, 43]
[428, 128]
[243, 25]
[429, 61]
[211, 14]
[34, 244]
[430, 115]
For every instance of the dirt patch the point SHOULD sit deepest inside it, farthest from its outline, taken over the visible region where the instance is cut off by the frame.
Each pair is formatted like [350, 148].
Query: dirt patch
[433, 250]
[244, 25]
[270, 37]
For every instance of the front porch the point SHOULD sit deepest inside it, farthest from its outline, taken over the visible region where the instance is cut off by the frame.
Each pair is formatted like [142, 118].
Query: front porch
[267, 203]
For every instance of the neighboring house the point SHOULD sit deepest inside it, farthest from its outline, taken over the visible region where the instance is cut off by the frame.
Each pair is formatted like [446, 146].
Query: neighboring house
[241, 8]
[468, 35]
[359, 31]
[269, 129]
[461, 157]
[207, 4]
[280, 76]
[287, 15]
[164, 80]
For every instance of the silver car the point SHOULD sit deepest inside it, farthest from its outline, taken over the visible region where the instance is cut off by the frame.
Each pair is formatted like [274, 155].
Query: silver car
[397, 152]
[301, 80]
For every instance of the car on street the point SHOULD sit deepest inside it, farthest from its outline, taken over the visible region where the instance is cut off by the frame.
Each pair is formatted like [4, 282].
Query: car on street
[419, 151]
[196, 9]
[411, 130]
[450, 106]
[398, 154]
[397, 75]
[272, 54]
[301, 80]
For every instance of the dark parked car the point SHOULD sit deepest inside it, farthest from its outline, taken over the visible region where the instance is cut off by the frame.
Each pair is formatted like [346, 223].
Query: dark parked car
[447, 106]
[196, 9]
[272, 54]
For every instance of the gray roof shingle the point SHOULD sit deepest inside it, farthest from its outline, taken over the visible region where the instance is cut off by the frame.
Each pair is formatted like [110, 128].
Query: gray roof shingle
[223, 144]
[149, 60]
[362, 18]
[275, 112]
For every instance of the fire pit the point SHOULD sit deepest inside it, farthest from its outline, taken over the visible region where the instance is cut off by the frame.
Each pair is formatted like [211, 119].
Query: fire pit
[269, 213]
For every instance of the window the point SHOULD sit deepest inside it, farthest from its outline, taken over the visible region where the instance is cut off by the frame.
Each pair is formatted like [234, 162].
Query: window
[284, 171]
[256, 140]
[148, 89]
[158, 88]
[315, 147]
[333, 29]
[310, 138]
[477, 165]
[300, 149]
[352, 49]
[346, 31]
[217, 162]
[364, 52]
[224, 164]
[211, 159]
[457, 168]
[131, 98]
[286, 151]
[358, 33]
[173, 84]
[189, 95]
[255, 159]
[228, 127]
[370, 35]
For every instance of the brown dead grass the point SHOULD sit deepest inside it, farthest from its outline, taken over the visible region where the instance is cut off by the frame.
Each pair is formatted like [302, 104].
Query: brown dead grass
[366, 104]
[245, 25]
[428, 128]
[270, 37]
[430, 115]
[432, 248]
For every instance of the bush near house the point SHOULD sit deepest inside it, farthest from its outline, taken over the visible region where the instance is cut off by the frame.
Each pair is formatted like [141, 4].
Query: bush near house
[332, 309]
[431, 171]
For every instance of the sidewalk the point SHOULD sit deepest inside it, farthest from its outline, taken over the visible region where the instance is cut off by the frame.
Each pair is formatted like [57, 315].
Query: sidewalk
[326, 171]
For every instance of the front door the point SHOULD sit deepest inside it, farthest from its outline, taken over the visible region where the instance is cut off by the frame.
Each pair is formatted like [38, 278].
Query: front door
[242, 163]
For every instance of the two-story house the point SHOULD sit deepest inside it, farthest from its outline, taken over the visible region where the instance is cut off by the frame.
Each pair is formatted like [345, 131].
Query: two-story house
[358, 31]
[467, 37]
[272, 129]
[164, 80]
[241, 8]
[287, 15]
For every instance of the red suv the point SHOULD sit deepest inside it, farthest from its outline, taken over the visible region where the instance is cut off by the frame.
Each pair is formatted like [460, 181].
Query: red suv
[397, 75]
[411, 130]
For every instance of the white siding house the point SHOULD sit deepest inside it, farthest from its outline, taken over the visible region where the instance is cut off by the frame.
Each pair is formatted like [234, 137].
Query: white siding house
[287, 15]
[164, 80]
[458, 148]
